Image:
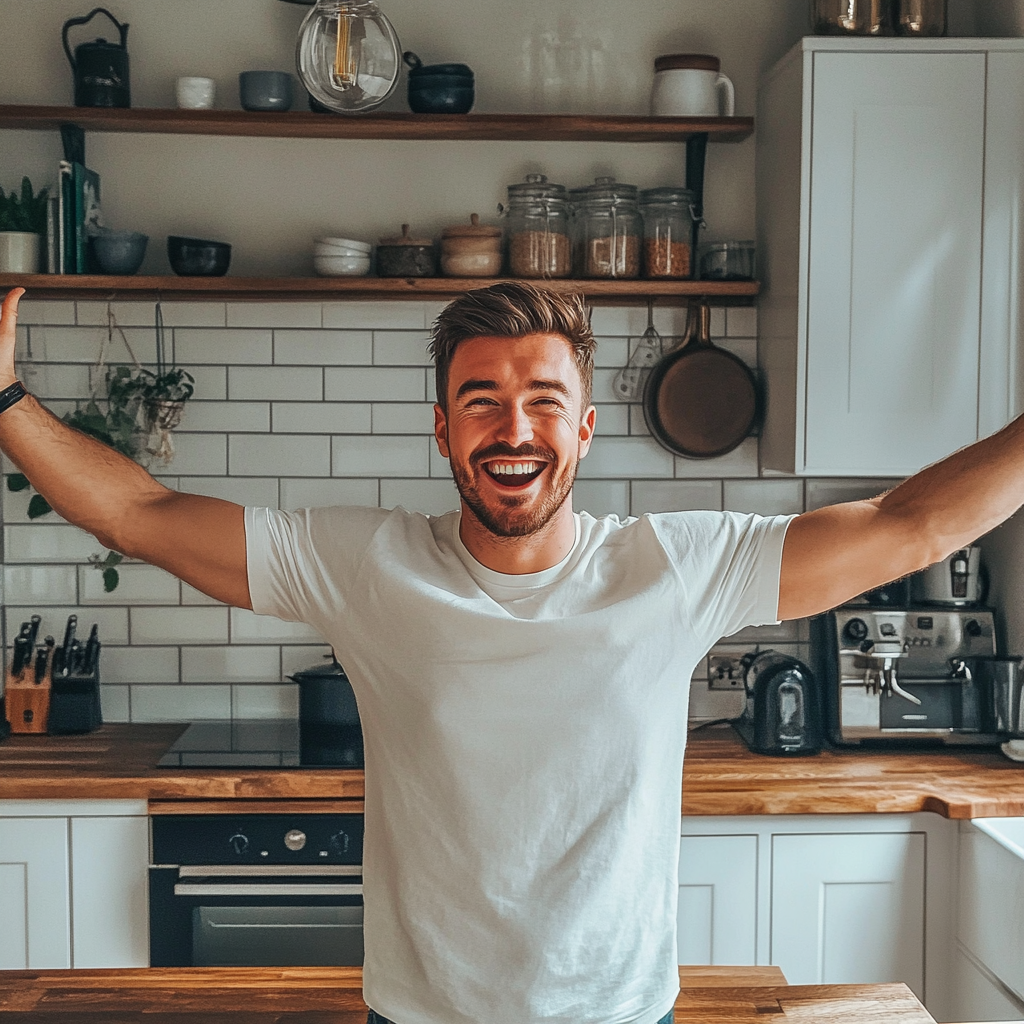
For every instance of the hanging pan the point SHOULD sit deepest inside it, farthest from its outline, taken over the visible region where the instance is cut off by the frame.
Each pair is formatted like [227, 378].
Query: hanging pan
[701, 401]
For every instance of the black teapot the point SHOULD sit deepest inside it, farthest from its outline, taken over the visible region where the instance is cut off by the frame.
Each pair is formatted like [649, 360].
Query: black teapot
[100, 68]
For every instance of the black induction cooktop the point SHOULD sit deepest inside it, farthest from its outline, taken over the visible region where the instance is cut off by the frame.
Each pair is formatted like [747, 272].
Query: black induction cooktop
[265, 743]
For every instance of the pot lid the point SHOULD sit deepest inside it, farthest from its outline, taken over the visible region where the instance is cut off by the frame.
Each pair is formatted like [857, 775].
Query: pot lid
[474, 229]
[404, 239]
[417, 69]
[694, 61]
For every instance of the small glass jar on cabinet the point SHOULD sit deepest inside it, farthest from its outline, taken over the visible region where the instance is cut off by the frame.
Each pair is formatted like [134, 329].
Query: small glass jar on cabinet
[608, 230]
[668, 215]
[538, 229]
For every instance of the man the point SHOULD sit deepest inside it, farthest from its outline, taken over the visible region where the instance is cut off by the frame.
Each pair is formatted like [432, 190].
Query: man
[521, 670]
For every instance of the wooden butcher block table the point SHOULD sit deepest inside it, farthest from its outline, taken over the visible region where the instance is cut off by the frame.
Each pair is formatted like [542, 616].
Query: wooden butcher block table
[313, 995]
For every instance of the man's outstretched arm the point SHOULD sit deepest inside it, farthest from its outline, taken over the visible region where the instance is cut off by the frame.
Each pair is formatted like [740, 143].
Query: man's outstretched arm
[200, 540]
[835, 553]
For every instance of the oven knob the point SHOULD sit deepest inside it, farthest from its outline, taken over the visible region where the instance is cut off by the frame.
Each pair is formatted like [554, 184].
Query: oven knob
[339, 843]
[855, 631]
[294, 839]
[239, 843]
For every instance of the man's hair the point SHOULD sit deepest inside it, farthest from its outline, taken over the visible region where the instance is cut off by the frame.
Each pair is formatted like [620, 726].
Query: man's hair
[512, 310]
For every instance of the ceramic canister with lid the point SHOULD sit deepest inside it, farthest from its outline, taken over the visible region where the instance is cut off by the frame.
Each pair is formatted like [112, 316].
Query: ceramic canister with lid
[471, 250]
[538, 229]
[691, 85]
[405, 256]
[608, 230]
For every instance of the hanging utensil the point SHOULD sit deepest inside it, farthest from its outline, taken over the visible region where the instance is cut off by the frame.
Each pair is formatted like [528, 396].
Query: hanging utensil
[630, 380]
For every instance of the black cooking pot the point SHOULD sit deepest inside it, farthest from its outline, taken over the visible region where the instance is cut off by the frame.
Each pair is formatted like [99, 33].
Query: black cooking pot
[329, 729]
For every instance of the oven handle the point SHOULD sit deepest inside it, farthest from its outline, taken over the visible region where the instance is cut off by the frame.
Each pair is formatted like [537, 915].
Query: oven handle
[267, 889]
[266, 870]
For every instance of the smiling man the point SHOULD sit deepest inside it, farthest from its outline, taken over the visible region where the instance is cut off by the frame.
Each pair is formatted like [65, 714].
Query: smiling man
[522, 670]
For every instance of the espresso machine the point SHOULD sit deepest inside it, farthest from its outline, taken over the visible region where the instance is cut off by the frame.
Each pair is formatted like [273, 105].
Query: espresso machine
[902, 675]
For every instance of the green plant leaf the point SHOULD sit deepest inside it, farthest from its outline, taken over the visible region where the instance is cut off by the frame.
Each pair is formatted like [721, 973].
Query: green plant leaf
[111, 578]
[112, 559]
[38, 506]
[17, 482]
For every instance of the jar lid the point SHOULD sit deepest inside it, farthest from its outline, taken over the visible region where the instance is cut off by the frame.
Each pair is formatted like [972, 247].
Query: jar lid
[607, 190]
[668, 194]
[536, 186]
[474, 229]
[694, 61]
[404, 239]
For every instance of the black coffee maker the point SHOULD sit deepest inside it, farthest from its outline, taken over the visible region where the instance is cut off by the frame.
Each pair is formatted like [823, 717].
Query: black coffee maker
[100, 68]
[781, 715]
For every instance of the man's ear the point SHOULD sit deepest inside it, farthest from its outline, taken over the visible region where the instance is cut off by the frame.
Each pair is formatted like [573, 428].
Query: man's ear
[441, 430]
[587, 426]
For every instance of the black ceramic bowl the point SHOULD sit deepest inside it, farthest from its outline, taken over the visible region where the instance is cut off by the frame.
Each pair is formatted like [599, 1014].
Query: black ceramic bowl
[198, 257]
[440, 99]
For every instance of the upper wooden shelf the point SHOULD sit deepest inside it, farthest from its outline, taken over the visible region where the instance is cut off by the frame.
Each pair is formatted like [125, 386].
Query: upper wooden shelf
[99, 286]
[305, 125]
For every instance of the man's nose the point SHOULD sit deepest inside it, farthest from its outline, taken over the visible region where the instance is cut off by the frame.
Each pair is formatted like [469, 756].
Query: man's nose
[515, 428]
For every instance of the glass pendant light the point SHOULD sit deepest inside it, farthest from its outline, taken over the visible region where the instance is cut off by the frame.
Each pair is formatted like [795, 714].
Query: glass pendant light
[348, 55]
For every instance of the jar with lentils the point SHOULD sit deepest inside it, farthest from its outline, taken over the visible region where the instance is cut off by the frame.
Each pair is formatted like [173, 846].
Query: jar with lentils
[608, 230]
[538, 229]
[668, 215]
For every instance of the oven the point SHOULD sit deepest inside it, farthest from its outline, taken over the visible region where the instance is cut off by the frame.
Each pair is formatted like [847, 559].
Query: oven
[260, 890]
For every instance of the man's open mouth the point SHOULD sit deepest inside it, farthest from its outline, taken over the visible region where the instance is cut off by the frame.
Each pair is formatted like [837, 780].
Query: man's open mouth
[514, 474]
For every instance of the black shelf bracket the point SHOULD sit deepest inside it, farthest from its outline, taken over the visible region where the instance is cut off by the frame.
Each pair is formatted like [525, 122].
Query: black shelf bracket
[696, 156]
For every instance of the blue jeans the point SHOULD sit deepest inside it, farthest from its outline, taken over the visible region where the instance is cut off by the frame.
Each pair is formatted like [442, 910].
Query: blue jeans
[375, 1018]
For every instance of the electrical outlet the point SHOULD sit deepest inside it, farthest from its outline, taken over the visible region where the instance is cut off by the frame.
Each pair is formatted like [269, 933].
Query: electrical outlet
[724, 673]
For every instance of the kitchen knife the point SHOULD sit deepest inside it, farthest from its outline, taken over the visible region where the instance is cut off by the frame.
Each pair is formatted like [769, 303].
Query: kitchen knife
[69, 636]
[22, 653]
[92, 647]
[42, 656]
[33, 631]
[74, 663]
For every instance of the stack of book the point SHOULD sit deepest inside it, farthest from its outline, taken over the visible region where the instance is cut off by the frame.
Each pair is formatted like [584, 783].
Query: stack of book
[74, 213]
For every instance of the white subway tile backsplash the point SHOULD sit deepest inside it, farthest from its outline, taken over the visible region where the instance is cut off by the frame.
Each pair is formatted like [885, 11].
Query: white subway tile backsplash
[637, 423]
[127, 313]
[765, 497]
[249, 628]
[139, 664]
[253, 702]
[745, 348]
[274, 314]
[741, 321]
[68, 344]
[741, 461]
[601, 497]
[218, 345]
[32, 585]
[231, 664]
[194, 314]
[226, 416]
[180, 703]
[45, 543]
[675, 496]
[373, 384]
[625, 457]
[612, 420]
[276, 383]
[385, 456]
[403, 418]
[381, 316]
[191, 596]
[612, 352]
[439, 466]
[242, 490]
[115, 703]
[604, 385]
[321, 417]
[433, 497]
[137, 585]
[401, 348]
[61, 380]
[832, 492]
[297, 657]
[46, 311]
[211, 382]
[280, 454]
[333, 491]
[112, 622]
[196, 455]
[179, 625]
[323, 348]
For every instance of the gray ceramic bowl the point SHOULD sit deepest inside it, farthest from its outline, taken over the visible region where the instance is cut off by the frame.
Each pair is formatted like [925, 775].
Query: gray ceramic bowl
[198, 257]
[119, 252]
[265, 90]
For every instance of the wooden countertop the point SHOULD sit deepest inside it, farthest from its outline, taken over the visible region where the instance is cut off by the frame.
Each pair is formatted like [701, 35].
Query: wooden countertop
[721, 777]
[211, 995]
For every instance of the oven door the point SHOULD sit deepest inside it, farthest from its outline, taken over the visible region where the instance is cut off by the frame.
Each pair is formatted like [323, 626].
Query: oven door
[256, 916]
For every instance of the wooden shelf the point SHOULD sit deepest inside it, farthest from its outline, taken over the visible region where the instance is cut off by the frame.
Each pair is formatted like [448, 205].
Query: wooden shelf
[100, 286]
[305, 125]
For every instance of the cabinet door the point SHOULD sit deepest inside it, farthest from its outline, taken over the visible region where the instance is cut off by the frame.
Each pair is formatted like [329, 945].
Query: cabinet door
[717, 921]
[894, 278]
[109, 891]
[849, 908]
[34, 905]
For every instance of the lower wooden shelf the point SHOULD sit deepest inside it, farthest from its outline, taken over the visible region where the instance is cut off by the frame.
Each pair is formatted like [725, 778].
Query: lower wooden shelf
[100, 286]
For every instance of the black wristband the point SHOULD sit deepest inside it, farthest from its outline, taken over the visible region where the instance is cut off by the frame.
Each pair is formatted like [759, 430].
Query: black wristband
[12, 393]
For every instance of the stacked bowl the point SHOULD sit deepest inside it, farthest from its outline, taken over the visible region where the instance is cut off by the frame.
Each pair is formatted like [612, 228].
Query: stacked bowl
[341, 257]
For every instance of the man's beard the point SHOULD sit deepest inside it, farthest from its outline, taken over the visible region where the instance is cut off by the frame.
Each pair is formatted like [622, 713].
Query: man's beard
[513, 519]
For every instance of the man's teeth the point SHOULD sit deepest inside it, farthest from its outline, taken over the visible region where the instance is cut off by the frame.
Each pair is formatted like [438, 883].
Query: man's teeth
[513, 468]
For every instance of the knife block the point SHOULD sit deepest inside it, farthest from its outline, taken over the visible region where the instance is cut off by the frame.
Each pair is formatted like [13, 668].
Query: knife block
[26, 702]
[75, 704]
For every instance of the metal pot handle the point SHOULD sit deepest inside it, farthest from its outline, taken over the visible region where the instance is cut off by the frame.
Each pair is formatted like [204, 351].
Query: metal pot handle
[71, 22]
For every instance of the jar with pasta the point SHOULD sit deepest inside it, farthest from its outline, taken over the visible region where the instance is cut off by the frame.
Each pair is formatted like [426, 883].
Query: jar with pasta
[668, 215]
[538, 229]
[609, 230]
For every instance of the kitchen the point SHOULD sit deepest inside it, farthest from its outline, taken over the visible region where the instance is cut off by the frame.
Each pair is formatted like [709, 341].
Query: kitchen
[171, 654]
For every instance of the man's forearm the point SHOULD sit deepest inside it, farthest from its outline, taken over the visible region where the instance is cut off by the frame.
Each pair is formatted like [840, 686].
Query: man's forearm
[84, 480]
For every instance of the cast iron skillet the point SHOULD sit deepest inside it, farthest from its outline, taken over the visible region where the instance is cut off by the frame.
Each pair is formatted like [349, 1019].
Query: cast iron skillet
[700, 401]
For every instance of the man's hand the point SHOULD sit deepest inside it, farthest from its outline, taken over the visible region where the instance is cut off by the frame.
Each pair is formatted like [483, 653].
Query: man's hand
[8, 335]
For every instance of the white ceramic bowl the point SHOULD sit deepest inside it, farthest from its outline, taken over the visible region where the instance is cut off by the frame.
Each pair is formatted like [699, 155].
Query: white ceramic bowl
[326, 250]
[341, 266]
[344, 245]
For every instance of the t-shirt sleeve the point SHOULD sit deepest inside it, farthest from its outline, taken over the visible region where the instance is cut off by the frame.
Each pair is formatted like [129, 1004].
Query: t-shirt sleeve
[729, 566]
[299, 562]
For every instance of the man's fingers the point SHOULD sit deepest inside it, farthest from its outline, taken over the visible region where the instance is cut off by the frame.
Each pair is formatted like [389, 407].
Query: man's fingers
[9, 312]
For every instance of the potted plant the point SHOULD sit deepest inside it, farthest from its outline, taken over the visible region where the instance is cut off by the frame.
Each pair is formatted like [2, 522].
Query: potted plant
[22, 229]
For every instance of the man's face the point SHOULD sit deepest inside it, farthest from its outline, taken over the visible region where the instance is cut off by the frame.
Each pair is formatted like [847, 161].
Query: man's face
[515, 429]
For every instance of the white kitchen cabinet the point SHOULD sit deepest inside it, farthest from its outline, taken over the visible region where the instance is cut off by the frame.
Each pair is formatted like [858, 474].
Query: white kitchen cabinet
[979, 995]
[73, 883]
[890, 191]
[717, 922]
[35, 925]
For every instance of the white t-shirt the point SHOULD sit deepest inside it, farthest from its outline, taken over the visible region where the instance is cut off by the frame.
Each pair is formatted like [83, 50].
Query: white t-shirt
[524, 744]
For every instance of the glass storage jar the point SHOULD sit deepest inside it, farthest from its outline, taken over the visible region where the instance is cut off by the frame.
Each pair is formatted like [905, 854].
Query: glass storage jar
[538, 229]
[609, 229]
[668, 215]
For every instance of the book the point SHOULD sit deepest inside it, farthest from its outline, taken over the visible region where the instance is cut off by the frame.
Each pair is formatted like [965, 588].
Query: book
[87, 216]
[64, 218]
[52, 235]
